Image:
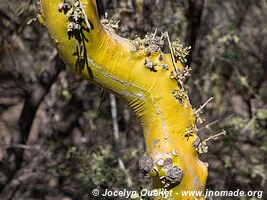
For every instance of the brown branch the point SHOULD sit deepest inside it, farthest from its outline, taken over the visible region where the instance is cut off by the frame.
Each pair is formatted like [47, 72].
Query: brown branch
[194, 14]
[100, 7]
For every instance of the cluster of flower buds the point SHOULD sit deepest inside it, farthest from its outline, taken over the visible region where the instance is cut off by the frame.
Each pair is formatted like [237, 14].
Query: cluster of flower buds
[73, 10]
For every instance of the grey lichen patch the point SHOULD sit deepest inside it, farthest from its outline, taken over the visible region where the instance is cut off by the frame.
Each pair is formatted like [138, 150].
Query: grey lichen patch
[155, 142]
[169, 173]
[146, 164]
[150, 65]
[160, 162]
[168, 161]
[173, 175]
[174, 153]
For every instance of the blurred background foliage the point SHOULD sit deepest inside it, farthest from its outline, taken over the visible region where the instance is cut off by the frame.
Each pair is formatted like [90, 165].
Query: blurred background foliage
[56, 131]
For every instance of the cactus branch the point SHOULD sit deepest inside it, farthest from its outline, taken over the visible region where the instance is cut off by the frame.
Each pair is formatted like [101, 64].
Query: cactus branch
[139, 73]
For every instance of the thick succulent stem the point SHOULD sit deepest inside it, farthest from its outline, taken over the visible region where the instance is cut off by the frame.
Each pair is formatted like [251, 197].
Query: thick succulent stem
[141, 79]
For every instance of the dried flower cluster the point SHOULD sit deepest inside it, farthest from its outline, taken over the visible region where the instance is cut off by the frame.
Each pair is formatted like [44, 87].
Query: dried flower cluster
[73, 10]
[151, 43]
[180, 94]
[110, 23]
[180, 52]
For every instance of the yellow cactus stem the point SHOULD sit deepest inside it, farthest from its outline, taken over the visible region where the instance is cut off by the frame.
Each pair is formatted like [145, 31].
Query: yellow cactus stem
[142, 75]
